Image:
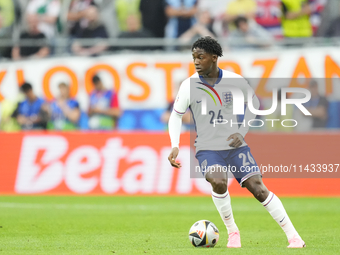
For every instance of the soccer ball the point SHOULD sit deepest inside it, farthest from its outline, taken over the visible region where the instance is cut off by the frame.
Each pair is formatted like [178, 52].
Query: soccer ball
[203, 234]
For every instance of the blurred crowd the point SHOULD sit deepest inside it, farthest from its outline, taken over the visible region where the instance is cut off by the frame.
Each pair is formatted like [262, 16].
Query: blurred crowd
[104, 113]
[63, 113]
[325, 114]
[259, 23]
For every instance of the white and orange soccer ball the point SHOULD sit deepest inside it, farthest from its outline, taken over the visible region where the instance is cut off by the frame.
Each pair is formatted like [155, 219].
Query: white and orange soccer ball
[203, 233]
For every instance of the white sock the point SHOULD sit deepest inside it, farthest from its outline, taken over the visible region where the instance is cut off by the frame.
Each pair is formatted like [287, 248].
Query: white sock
[278, 212]
[223, 206]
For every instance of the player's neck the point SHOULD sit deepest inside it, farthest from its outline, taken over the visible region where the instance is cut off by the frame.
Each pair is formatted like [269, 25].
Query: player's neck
[32, 99]
[212, 77]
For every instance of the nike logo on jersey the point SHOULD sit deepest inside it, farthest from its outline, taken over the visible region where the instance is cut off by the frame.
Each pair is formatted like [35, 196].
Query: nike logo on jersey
[198, 101]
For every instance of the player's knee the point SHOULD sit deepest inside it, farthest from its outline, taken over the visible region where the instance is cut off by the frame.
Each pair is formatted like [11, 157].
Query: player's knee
[260, 193]
[220, 186]
[257, 188]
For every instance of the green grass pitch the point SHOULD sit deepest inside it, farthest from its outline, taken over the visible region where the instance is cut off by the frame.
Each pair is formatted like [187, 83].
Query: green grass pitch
[157, 225]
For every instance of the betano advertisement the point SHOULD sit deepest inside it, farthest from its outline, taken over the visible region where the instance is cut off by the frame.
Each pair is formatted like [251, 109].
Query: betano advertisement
[136, 163]
[146, 81]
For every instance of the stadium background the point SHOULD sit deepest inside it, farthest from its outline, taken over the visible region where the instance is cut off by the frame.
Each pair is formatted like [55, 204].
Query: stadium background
[131, 159]
[146, 82]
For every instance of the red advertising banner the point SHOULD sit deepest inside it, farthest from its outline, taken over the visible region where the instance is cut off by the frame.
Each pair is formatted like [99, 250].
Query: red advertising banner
[118, 163]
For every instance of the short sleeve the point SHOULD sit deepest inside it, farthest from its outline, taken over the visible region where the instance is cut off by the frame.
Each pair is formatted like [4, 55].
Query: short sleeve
[74, 104]
[41, 102]
[182, 100]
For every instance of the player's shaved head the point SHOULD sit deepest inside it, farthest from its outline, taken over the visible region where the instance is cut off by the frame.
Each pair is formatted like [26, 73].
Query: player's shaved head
[209, 45]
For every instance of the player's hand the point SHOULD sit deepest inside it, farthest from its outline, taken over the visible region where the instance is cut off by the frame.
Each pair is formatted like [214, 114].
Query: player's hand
[94, 110]
[237, 140]
[306, 9]
[172, 158]
[22, 120]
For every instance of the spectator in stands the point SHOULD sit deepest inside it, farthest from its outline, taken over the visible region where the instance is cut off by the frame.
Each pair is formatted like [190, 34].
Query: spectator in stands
[135, 30]
[317, 106]
[252, 34]
[295, 18]
[181, 16]
[268, 16]
[237, 8]
[64, 112]
[124, 9]
[76, 15]
[216, 9]
[203, 27]
[104, 107]
[276, 126]
[186, 119]
[94, 30]
[8, 123]
[46, 12]
[7, 18]
[153, 16]
[317, 7]
[334, 28]
[33, 51]
[29, 113]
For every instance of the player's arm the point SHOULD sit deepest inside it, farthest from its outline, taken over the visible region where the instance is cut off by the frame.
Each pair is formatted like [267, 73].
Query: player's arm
[238, 138]
[112, 111]
[321, 111]
[16, 53]
[175, 123]
[72, 114]
[98, 48]
[43, 52]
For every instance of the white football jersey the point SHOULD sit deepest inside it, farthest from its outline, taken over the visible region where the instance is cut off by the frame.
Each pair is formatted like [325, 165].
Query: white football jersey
[216, 122]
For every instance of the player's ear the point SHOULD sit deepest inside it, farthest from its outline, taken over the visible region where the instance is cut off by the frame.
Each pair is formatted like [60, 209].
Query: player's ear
[214, 58]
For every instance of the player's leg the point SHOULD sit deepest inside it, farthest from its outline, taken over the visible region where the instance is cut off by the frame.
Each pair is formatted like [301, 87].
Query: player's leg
[213, 161]
[275, 208]
[220, 195]
[248, 175]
